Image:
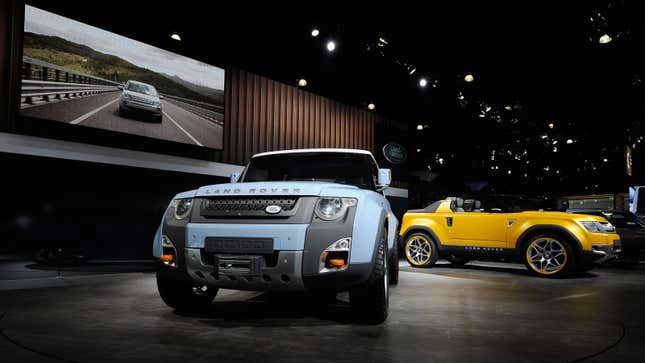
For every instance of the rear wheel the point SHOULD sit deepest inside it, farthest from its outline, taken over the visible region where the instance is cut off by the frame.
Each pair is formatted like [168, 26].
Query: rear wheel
[177, 291]
[420, 250]
[549, 256]
[369, 301]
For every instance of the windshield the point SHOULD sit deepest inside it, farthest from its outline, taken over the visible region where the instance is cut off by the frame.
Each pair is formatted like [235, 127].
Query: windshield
[343, 168]
[142, 88]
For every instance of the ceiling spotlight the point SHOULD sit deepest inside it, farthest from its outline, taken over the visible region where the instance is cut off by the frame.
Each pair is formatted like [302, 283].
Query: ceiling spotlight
[551, 125]
[302, 82]
[419, 127]
[508, 108]
[604, 39]
[469, 78]
[412, 71]
[605, 160]
[175, 36]
[418, 150]
[569, 141]
[315, 32]
[331, 46]
[423, 82]
[371, 106]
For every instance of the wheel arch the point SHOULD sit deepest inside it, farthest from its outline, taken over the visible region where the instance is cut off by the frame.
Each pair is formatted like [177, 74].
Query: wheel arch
[414, 229]
[557, 230]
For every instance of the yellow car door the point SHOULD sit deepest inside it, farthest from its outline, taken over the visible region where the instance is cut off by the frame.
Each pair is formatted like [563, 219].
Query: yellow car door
[479, 229]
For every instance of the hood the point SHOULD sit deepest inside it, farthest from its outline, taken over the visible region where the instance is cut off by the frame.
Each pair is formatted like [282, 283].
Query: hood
[272, 188]
[141, 95]
[564, 215]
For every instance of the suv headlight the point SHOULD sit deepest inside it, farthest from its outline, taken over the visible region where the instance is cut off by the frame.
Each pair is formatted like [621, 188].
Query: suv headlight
[182, 207]
[331, 208]
[598, 227]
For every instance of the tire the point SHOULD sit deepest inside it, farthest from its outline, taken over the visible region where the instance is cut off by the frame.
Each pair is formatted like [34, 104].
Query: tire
[420, 250]
[457, 260]
[369, 301]
[555, 250]
[177, 291]
[394, 266]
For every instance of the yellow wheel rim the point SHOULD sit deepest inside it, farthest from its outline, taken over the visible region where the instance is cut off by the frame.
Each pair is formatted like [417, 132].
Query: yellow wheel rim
[546, 256]
[418, 250]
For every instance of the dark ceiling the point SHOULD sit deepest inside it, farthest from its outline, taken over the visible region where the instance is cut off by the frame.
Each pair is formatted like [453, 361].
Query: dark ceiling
[533, 63]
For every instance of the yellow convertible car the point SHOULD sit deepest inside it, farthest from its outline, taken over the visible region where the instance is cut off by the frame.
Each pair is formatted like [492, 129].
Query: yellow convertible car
[550, 244]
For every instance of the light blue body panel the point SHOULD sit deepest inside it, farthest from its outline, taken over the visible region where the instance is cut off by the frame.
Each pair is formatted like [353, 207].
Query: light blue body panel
[286, 237]
[156, 244]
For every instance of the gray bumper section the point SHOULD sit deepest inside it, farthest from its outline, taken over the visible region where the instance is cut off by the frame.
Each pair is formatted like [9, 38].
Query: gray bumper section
[285, 276]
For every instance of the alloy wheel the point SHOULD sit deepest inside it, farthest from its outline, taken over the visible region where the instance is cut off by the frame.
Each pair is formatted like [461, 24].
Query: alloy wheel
[546, 256]
[418, 250]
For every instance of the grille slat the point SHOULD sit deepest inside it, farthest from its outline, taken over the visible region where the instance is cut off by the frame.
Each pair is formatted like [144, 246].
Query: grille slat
[247, 206]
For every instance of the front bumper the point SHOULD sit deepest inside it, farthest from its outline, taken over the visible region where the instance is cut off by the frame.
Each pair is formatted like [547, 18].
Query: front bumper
[132, 106]
[601, 253]
[285, 275]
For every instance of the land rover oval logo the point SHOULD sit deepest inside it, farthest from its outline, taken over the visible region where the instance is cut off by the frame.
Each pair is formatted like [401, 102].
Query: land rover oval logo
[273, 209]
[395, 153]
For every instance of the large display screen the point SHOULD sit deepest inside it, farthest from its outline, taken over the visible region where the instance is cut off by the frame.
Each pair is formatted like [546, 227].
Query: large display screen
[82, 75]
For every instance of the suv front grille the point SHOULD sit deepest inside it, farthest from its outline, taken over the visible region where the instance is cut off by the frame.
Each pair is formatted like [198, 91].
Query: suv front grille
[247, 206]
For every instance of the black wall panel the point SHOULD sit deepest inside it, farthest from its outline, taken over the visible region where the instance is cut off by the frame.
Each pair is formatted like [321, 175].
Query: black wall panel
[264, 115]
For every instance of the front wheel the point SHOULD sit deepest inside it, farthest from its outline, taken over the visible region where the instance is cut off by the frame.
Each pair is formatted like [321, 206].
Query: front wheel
[420, 250]
[177, 291]
[369, 302]
[549, 256]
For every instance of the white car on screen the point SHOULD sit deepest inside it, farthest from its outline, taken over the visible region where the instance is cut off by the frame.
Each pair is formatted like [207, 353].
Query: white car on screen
[140, 98]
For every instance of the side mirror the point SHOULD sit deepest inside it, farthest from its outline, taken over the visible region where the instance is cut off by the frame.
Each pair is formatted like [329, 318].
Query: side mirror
[384, 178]
[160, 97]
[235, 177]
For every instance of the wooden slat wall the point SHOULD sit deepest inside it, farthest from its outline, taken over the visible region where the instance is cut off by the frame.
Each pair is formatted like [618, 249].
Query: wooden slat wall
[265, 115]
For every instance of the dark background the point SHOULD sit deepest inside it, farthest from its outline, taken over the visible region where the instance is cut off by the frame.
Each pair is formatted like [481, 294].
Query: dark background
[541, 59]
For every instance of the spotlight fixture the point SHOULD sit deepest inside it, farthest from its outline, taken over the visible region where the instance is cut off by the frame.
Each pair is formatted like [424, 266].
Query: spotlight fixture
[418, 150]
[469, 78]
[302, 82]
[423, 82]
[419, 127]
[315, 32]
[604, 39]
[551, 125]
[175, 36]
[569, 141]
[412, 71]
[371, 106]
[331, 46]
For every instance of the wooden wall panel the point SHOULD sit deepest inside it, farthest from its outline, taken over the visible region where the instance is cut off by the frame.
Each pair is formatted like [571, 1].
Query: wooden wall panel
[265, 115]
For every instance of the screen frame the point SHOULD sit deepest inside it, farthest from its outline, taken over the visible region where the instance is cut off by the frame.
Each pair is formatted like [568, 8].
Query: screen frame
[51, 129]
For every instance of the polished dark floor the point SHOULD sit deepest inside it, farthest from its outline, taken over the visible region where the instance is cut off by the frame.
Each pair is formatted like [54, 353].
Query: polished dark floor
[478, 313]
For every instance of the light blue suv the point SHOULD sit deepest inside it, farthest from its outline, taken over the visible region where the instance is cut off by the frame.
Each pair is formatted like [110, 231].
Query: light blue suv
[296, 220]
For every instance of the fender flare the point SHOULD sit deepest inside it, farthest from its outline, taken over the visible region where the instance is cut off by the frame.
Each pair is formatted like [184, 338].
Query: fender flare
[425, 229]
[546, 228]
